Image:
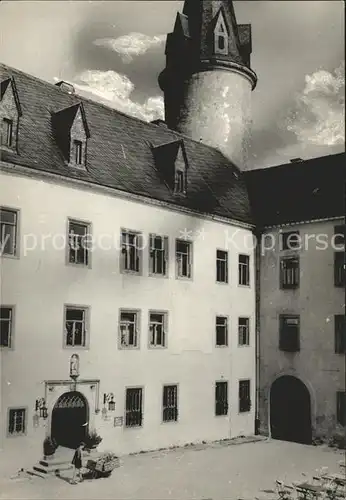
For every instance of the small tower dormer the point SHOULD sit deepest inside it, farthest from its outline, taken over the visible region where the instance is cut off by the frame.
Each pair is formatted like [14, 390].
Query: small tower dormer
[71, 132]
[207, 81]
[10, 112]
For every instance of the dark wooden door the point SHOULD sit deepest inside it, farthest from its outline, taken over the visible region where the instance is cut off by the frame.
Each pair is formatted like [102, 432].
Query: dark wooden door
[70, 414]
[290, 410]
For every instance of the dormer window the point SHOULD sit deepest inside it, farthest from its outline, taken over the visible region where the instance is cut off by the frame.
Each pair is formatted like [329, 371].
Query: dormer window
[180, 182]
[72, 134]
[221, 35]
[78, 147]
[7, 133]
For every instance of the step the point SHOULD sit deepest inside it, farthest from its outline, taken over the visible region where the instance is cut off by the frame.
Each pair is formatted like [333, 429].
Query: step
[33, 472]
[56, 461]
[52, 469]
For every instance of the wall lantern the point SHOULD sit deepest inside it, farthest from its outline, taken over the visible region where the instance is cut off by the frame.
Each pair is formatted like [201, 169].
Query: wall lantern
[109, 398]
[40, 406]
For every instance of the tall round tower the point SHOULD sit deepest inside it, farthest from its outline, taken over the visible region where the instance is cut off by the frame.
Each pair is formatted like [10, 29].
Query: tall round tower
[207, 82]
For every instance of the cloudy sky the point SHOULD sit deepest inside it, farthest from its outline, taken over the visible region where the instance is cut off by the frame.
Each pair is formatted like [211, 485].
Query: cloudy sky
[114, 50]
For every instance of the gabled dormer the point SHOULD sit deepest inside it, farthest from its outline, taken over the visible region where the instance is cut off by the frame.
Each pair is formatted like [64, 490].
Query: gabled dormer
[71, 132]
[171, 162]
[10, 112]
[221, 34]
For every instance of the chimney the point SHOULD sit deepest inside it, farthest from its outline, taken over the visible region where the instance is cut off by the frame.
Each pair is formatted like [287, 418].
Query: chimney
[159, 123]
[296, 160]
[65, 87]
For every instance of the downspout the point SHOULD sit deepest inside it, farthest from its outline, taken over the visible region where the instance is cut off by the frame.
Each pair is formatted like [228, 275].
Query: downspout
[258, 235]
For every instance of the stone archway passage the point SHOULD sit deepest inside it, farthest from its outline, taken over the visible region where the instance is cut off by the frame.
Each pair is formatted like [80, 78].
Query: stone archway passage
[69, 416]
[290, 410]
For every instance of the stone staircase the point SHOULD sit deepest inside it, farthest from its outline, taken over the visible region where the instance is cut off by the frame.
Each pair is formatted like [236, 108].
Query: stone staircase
[50, 466]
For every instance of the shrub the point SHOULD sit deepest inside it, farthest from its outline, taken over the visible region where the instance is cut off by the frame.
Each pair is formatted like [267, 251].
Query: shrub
[92, 440]
[49, 446]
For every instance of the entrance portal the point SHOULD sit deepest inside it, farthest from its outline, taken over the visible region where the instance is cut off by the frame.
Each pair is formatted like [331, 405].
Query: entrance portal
[290, 410]
[70, 419]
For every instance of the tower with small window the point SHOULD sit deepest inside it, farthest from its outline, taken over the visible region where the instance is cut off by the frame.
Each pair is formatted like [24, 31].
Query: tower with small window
[208, 80]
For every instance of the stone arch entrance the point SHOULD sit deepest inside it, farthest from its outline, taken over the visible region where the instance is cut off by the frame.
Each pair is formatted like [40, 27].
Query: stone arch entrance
[290, 410]
[70, 419]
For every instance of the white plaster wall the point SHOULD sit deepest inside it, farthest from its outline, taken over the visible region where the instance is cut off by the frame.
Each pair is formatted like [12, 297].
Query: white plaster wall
[40, 283]
[217, 111]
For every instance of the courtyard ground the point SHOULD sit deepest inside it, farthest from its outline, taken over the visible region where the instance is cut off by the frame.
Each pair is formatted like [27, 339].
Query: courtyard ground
[214, 472]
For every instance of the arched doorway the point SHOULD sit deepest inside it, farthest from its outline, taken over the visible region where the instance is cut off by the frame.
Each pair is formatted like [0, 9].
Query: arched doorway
[290, 410]
[70, 419]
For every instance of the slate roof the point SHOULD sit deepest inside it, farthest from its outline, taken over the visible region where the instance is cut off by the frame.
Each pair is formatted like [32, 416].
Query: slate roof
[300, 191]
[120, 154]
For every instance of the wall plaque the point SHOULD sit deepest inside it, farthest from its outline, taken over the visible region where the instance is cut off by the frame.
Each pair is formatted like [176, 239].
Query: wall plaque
[118, 421]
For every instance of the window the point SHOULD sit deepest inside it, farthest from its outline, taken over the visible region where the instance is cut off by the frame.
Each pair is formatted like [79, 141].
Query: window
[221, 398]
[170, 403]
[221, 266]
[220, 36]
[341, 407]
[131, 251]
[128, 329]
[340, 333]
[243, 331]
[244, 270]
[339, 235]
[78, 152]
[180, 182]
[158, 255]
[7, 133]
[289, 273]
[8, 231]
[133, 412]
[78, 241]
[157, 329]
[16, 421]
[339, 269]
[183, 251]
[244, 396]
[6, 325]
[290, 240]
[289, 333]
[221, 331]
[75, 326]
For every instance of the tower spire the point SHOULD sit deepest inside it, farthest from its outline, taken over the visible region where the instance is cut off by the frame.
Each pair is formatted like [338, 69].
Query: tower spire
[207, 56]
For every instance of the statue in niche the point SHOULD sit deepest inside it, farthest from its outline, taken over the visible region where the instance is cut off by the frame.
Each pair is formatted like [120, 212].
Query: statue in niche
[74, 366]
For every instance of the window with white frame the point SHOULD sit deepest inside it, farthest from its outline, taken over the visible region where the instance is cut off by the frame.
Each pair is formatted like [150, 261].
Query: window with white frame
[78, 152]
[244, 270]
[221, 331]
[170, 403]
[221, 266]
[131, 249]
[180, 182]
[158, 257]
[6, 325]
[183, 253]
[243, 331]
[78, 237]
[134, 407]
[16, 421]
[128, 328]
[157, 329]
[75, 326]
[7, 133]
[8, 231]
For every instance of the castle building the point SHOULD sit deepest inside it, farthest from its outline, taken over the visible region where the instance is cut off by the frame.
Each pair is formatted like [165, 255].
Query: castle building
[134, 302]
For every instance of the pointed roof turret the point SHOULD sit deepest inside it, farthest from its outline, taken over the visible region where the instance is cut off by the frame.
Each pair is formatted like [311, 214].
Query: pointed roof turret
[206, 36]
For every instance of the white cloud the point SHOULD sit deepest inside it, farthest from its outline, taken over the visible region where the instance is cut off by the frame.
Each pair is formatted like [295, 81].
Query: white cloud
[320, 115]
[114, 90]
[133, 44]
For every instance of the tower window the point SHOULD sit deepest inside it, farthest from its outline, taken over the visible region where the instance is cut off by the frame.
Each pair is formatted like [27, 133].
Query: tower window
[220, 36]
